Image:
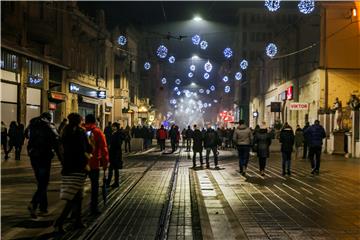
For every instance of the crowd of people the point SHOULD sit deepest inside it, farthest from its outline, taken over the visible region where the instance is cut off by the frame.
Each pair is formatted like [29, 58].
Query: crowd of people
[85, 150]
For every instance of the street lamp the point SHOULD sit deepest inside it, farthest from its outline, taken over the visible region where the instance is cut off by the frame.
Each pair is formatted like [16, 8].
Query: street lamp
[195, 57]
[197, 18]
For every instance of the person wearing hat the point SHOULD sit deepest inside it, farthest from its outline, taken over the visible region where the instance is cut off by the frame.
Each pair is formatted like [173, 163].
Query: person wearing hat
[43, 141]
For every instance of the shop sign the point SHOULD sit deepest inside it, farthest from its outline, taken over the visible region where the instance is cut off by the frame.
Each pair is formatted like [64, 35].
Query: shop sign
[275, 106]
[101, 94]
[299, 106]
[56, 97]
[34, 80]
[86, 91]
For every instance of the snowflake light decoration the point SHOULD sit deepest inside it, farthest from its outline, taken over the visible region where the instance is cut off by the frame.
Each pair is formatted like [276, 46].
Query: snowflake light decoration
[122, 40]
[207, 91]
[178, 81]
[208, 67]
[147, 66]
[227, 89]
[306, 6]
[215, 101]
[272, 5]
[212, 88]
[203, 44]
[173, 101]
[171, 59]
[205, 105]
[225, 78]
[178, 93]
[206, 76]
[201, 90]
[188, 94]
[238, 76]
[192, 67]
[190, 74]
[244, 64]
[196, 39]
[176, 89]
[271, 50]
[228, 52]
[162, 51]
[163, 80]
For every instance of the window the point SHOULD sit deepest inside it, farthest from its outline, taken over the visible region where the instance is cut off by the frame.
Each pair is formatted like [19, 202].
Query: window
[35, 68]
[9, 61]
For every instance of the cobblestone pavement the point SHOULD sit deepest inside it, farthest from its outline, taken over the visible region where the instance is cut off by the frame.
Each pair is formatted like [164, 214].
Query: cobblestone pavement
[206, 203]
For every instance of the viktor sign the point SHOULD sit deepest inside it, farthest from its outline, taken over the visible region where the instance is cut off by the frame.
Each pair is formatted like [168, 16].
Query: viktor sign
[299, 106]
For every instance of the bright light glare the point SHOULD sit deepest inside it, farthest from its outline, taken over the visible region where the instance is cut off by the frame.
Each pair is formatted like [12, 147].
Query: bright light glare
[195, 57]
[197, 18]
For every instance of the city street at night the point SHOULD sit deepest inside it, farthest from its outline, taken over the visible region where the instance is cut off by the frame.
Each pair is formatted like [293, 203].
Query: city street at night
[180, 120]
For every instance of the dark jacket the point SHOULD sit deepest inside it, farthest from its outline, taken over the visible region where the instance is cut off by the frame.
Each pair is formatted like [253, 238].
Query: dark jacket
[211, 138]
[75, 145]
[108, 133]
[173, 134]
[197, 137]
[189, 133]
[43, 139]
[115, 151]
[20, 135]
[299, 137]
[287, 140]
[314, 135]
[262, 140]
[12, 134]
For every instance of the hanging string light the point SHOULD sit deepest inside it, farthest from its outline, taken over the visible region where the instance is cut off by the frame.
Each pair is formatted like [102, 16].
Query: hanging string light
[227, 89]
[271, 50]
[228, 52]
[171, 59]
[206, 76]
[208, 67]
[122, 40]
[147, 66]
[238, 76]
[190, 74]
[306, 6]
[212, 88]
[162, 51]
[203, 44]
[178, 81]
[196, 39]
[192, 67]
[163, 80]
[272, 5]
[244, 64]
[225, 78]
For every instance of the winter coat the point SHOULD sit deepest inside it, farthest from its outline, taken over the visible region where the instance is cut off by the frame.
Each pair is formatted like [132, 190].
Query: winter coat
[115, 151]
[314, 135]
[242, 135]
[304, 129]
[299, 137]
[3, 134]
[211, 139]
[12, 134]
[262, 140]
[100, 151]
[43, 139]
[75, 145]
[108, 133]
[287, 139]
[189, 133]
[173, 134]
[20, 135]
[198, 141]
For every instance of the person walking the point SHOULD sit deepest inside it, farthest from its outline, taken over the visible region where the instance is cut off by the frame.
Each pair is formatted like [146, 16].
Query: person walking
[197, 137]
[19, 140]
[211, 141]
[161, 135]
[305, 144]
[189, 133]
[108, 133]
[314, 136]
[76, 150]
[43, 139]
[115, 154]
[127, 136]
[12, 138]
[299, 140]
[183, 137]
[262, 142]
[173, 137]
[4, 137]
[243, 139]
[286, 139]
[100, 158]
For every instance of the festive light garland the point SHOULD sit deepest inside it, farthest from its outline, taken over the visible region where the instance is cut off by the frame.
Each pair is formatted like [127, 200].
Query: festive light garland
[206, 76]
[192, 67]
[163, 80]
[171, 59]
[271, 50]
[238, 76]
[208, 67]
[122, 40]
[203, 44]
[178, 81]
[147, 66]
[225, 78]
[162, 51]
[244, 64]
[272, 5]
[306, 6]
[227, 89]
[190, 74]
[196, 39]
[228, 53]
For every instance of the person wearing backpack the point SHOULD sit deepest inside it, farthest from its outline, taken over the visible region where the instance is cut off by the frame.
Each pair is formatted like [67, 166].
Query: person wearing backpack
[211, 141]
[43, 140]
[100, 158]
[243, 139]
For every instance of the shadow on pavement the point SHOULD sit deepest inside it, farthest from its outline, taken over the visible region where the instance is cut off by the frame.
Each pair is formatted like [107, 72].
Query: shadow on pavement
[34, 224]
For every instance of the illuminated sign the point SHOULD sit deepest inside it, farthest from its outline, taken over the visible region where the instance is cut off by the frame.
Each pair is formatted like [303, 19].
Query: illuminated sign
[86, 91]
[74, 88]
[289, 93]
[34, 80]
[299, 106]
[101, 94]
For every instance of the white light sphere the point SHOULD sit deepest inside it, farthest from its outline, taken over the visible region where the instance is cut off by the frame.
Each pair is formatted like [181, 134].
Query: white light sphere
[196, 39]
[178, 81]
[192, 67]
[244, 64]
[190, 74]
[212, 88]
[171, 59]
[272, 5]
[225, 78]
[227, 89]
[207, 91]
[203, 45]
[163, 80]
[238, 76]
[122, 40]
[201, 90]
[147, 66]
[178, 93]
[228, 52]
[206, 76]
[306, 6]
[208, 67]
[271, 50]
[162, 51]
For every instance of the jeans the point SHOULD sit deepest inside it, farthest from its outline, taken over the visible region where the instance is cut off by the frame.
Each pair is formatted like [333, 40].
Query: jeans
[214, 150]
[262, 163]
[286, 161]
[42, 175]
[315, 163]
[188, 144]
[162, 144]
[111, 170]
[94, 179]
[127, 146]
[244, 154]
[194, 158]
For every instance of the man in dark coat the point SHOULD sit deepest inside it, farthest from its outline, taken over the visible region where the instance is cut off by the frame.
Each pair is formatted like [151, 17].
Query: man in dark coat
[305, 147]
[211, 141]
[262, 142]
[188, 134]
[314, 136]
[108, 133]
[115, 154]
[43, 139]
[197, 145]
[287, 142]
[173, 137]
